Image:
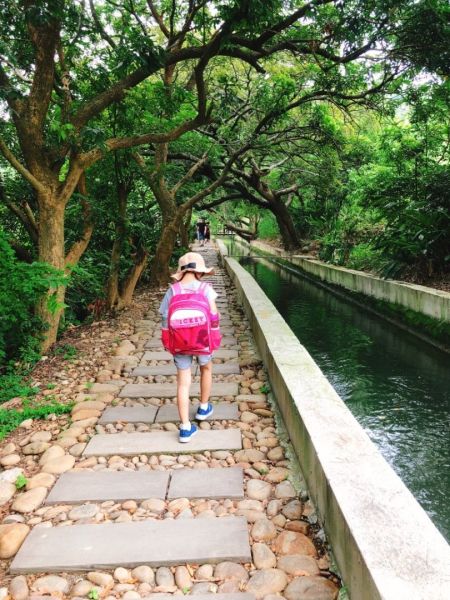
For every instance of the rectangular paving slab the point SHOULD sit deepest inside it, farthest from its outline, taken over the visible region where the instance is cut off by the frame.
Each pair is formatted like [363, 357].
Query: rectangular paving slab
[147, 414]
[222, 411]
[228, 596]
[227, 330]
[162, 442]
[207, 483]
[220, 369]
[129, 414]
[169, 390]
[154, 543]
[223, 353]
[228, 340]
[79, 487]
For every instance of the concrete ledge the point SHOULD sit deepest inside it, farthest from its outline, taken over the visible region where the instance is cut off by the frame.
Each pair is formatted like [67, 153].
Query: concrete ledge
[385, 545]
[419, 298]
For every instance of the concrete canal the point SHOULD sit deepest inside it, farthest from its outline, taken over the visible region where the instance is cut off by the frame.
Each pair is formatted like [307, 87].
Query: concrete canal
[396, 386]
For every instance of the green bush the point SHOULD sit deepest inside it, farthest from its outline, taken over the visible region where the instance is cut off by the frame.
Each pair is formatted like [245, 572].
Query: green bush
[21, 286]
[85, 286]
[268, 228]
[363, 257]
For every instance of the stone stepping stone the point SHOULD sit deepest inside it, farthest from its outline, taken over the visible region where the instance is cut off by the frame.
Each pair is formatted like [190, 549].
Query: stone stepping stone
[154, 543]
[169, 390]
[223, 353]
[147, 414]
[79, 487]
[228, 596]
[227, 330]
[161, 442]
[223, 411]
[215, 483]
[153, 343]
[220, 369]
[131, 414]
[229, 341]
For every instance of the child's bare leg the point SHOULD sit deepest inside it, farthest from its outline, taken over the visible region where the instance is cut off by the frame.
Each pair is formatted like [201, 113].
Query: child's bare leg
[183, 385]
[205, 382]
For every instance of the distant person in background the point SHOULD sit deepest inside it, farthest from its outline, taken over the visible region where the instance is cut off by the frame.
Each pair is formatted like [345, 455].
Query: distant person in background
[207, 233]
[201, 228]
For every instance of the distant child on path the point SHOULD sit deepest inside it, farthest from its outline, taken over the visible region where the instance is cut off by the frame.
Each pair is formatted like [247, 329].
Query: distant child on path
[190, 327]
[201, 227]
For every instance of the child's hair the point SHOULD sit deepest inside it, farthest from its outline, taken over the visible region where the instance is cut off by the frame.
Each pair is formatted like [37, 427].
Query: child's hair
[198, 276]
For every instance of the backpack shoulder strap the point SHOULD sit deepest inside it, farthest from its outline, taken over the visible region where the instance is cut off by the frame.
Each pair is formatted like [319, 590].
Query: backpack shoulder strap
[203, 288]
[176, 288]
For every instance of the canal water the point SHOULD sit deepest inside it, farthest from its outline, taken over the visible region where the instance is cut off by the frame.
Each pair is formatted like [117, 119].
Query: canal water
[396, 386]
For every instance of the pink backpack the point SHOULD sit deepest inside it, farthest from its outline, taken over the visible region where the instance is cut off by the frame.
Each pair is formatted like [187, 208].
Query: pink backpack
[189, 322]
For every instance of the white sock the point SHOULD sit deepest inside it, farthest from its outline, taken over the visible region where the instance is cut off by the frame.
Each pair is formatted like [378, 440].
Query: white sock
[185, 426]
[204, 405]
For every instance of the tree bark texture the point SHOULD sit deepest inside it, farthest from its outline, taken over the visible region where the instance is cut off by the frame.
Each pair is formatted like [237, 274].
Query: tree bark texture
[51, 251]
[112, 286]
[185, 229]
[129, 285]
[164, 250]
[285, 224]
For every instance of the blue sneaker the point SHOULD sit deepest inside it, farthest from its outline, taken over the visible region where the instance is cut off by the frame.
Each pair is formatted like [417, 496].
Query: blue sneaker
[187, 434]
[204, 413]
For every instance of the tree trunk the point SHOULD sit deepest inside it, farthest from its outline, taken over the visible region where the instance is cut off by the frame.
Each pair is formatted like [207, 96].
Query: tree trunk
[129, 285]
[160, 263]
[112, 286]
[247, 234]
[184, 229]
[51, 251]
[285, 225]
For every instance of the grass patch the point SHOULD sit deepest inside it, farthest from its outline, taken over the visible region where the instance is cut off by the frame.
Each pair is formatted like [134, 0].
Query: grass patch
[13, 385]
[67, 351]
[12, 418]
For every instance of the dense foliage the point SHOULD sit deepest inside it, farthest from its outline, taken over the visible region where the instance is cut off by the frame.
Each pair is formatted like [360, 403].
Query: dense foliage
[322, 124]
[22, 286]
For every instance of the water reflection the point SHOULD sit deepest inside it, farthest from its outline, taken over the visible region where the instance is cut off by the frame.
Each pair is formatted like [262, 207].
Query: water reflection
[397, 386]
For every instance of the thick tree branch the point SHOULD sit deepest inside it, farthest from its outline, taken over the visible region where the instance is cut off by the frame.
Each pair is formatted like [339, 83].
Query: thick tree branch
[158, 18]
[289, 190]
[113, 94]
[222, 200]
[23, 212]
[247, 234]
[103, 34]
[78, 248]
[45, 39]
[190, 173]
[89, 158]
[268, 34]
[14, 162]
[11, 94]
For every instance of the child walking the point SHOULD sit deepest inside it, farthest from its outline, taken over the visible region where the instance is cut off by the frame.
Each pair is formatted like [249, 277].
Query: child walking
[190, 327]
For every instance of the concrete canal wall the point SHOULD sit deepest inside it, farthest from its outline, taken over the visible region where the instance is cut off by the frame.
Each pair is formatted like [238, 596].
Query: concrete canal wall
[385, 545]
[424, 300]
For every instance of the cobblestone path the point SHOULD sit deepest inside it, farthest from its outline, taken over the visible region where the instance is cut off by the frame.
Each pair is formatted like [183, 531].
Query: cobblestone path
[118, 508]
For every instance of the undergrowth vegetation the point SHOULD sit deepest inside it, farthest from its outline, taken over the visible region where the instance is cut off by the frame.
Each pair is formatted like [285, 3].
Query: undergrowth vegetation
[11, 418]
